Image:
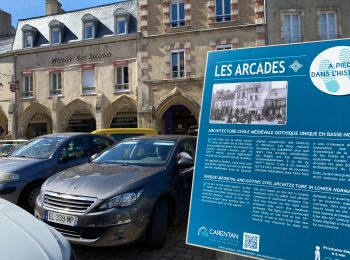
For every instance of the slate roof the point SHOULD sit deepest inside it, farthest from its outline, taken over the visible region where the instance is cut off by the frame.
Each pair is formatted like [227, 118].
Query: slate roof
[74, 26]
[6, 44]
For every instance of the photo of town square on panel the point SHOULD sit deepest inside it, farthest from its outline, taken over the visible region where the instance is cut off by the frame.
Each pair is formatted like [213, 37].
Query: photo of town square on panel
[259, 103]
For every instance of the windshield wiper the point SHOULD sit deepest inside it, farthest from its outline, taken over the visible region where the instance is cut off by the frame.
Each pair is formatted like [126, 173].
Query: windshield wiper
[24, 156]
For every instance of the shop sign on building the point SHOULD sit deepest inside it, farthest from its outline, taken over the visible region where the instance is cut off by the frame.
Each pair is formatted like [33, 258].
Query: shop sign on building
[272, 175]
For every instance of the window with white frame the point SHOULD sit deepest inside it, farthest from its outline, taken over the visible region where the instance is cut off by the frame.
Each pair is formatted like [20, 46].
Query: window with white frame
[177, 13]
[56, 36]
[223, 10]
[89, 30]
[121, 79]
[222, 47]
[55, 84]
[122, 25]
[88, 81]
[178, 63]
[28, 88]
[328, 25]
[292, 28]
[28, 40]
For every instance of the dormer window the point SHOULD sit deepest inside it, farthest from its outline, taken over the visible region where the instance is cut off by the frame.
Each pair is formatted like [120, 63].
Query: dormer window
[122, 18]
[29, 34]
[90, 24]
[28, 40]
[56, 32]
[56, 36]
[89, 31]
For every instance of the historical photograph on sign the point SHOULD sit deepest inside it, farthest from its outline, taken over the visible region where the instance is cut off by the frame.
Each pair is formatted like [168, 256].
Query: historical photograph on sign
[258, 103]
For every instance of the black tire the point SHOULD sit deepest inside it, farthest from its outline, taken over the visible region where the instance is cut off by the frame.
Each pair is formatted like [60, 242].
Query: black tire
[28, 197]
[158, 226]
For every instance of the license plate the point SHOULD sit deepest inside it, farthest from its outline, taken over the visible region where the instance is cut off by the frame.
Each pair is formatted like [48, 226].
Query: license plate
[61, 218]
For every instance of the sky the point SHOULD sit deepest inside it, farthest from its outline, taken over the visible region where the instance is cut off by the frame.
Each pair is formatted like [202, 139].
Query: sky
[21, 9]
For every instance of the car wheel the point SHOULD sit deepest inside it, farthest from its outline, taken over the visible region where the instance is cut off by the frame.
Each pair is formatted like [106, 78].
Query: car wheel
[28, 197]
[158, 226]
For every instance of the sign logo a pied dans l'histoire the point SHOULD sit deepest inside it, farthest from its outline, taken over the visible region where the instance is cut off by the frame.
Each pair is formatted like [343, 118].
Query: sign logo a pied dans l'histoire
[330, 71]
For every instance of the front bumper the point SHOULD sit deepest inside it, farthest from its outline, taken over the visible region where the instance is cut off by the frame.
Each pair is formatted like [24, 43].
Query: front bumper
[11, 191]
[108, 228]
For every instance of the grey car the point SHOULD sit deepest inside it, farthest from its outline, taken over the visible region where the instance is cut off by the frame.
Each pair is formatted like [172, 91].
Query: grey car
[130, 192]
[22, 174]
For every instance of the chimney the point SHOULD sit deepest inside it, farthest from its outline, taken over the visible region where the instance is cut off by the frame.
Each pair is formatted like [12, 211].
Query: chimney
[6, 28]
[53, 7]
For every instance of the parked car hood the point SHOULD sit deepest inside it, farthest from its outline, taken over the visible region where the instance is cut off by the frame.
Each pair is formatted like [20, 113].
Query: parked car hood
[24, 237]
[101, 181]
[15, 164]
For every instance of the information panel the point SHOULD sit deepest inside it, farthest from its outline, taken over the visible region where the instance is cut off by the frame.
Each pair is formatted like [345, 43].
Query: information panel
[272, 173]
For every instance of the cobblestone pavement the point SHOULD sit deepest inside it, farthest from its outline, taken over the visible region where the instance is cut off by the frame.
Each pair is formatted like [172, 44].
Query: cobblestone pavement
[175, 248]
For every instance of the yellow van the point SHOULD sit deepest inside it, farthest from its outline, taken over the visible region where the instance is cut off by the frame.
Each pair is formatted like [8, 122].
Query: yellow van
[122, 133]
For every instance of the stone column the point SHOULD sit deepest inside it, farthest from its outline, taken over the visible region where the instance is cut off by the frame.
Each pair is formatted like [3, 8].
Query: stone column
[99, 112]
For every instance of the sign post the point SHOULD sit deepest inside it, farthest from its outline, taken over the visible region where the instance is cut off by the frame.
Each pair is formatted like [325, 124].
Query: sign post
[272, 173]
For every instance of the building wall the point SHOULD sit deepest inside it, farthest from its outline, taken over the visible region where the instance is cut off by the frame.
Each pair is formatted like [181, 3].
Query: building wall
[60, 108]
[200, 34]
[6, 72]
[310, 17]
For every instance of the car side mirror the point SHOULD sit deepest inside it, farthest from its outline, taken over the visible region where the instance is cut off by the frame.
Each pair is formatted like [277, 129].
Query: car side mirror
[185, 161]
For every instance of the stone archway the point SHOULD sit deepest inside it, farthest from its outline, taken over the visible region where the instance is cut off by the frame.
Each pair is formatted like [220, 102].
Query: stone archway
[36, 113]
[3, 124]
[177, 103]
[78, 110]
[122, 107]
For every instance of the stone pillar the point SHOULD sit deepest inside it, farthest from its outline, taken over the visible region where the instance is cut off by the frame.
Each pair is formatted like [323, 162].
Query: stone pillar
[55, 116]
[99, 112]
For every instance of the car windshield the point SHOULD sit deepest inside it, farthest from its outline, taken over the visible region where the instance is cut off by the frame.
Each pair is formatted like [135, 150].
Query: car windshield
[138, 152]
[39, 148]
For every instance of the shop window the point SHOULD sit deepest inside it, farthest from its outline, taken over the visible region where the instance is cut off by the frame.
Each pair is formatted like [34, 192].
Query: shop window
[178, 63]
[28, 88]
[88, 81]
[223, 10]
[55, 84]
[292, 28]
[177, 14]
[328, 25]
[121, 79]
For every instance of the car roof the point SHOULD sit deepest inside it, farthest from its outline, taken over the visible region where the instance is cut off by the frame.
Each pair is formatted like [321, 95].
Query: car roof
[71, 134]
[162, 137]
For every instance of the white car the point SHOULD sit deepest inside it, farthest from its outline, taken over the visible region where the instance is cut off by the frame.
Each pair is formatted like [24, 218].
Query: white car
[22, 236]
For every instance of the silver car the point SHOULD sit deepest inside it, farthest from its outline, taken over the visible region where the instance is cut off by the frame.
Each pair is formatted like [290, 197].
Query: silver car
[22, 236]
[128, 193]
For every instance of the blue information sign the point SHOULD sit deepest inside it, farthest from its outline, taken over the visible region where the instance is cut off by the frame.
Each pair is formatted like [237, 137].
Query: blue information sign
[272, 172]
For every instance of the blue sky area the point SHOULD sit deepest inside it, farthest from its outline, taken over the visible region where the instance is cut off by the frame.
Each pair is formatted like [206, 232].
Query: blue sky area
[21, 9]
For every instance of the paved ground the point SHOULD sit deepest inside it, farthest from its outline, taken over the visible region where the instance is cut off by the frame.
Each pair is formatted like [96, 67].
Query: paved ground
[175, 248]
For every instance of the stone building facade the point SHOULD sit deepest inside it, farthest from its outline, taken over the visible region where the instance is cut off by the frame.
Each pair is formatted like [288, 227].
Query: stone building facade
[303, 21]
[6, 71]
[176, 37]
[76, 71]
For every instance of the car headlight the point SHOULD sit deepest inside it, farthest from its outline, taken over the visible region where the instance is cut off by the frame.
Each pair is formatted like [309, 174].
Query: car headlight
[8, 177]
[123, 200]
